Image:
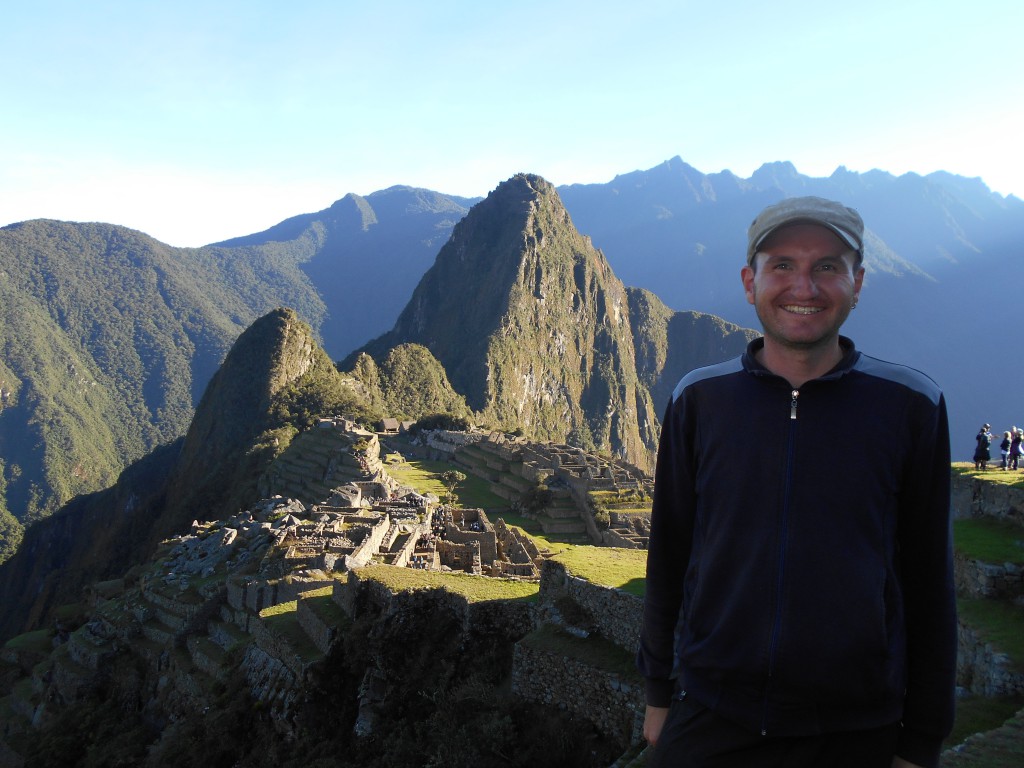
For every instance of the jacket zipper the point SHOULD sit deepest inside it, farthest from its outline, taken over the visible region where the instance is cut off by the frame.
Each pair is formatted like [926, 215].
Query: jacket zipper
[783, 533]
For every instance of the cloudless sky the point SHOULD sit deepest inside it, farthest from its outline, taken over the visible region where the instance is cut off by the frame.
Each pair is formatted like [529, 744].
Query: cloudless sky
[200, 121]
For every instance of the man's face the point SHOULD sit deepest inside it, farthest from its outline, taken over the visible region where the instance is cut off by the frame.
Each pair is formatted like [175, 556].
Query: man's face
[805, 283]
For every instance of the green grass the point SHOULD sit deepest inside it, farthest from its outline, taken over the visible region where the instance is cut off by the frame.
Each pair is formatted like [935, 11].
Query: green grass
[473, 588]
[321, 602]
[990, 540]
[623, 569]
[978, 714]
[283, 622]
[1000, 622]
[593, 650]
[39, 641]
[993, 474]
[280, 608]
[425, 477]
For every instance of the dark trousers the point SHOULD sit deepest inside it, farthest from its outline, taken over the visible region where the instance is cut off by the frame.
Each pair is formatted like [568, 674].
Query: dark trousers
[695, 737]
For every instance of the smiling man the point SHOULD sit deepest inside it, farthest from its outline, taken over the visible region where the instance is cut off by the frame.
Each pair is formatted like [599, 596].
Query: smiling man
[800, 606]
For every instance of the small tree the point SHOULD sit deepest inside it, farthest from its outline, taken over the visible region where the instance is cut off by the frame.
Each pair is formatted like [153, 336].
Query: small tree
[451, 478]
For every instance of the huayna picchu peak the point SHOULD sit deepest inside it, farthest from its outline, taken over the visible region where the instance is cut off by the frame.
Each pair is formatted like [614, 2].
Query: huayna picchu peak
[533, 327]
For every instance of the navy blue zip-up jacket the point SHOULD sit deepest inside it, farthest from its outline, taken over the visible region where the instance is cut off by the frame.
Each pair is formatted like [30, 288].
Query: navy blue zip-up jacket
[799, 576]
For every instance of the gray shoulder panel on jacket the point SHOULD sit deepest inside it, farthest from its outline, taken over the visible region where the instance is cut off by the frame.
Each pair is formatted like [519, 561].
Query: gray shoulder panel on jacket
[735, 365]
[899, 374]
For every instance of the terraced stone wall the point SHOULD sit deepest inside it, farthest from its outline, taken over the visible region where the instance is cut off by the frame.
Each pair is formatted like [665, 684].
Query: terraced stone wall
[616, 614]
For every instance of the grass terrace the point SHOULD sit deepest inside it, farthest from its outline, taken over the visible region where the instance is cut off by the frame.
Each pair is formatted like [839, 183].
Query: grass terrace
[989, 540]
[282, 620]
[993, 474]
[476, 589]
[1000, 622]
[425, 477]
[623, 569]
[39, 641]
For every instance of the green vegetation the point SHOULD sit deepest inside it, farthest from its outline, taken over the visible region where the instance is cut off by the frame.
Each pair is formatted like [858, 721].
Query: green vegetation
[474, 588]
[623, 569]
[992, 475]
[452, 478]
[977, 714]
[424, 477]
[989, 540]
[1000, 622]
[38, 641]
[281, 620]
[321, 391]
[441, 421]
[107, 337]
[415, 384]
[11, 533]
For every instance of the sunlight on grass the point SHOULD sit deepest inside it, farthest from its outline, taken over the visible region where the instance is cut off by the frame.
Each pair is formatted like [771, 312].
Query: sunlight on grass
[425, 477]
[474, 588]
[607, 566]
[993, 474]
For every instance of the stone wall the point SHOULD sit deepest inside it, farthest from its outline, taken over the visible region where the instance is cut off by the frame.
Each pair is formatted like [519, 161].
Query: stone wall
[611, 703]
[369, 546]
[507, 618]
[278, 648]
[319, 631]
[983, 670]
[977, 579]
[615, 614]
[613, 537]
[972, 497]
[256, 594]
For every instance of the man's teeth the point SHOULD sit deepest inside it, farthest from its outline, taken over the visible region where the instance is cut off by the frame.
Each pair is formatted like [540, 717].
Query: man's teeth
[802, 310]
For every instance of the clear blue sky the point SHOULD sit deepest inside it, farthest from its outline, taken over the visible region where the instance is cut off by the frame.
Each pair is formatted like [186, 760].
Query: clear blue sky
[200, 121]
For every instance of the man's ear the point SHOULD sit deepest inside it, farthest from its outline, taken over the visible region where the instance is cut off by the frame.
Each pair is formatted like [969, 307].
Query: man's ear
[747, 275]
[858, 281]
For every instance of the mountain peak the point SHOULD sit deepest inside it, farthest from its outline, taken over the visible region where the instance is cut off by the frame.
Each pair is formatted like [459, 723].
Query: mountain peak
[527, 318]
[274, 351]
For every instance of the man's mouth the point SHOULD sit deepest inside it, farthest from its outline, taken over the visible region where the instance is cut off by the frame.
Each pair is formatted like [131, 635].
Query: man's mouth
[799, 310]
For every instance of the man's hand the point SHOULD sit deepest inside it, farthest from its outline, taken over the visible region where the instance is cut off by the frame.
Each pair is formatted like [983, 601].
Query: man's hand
[654, 721]
[897, 762]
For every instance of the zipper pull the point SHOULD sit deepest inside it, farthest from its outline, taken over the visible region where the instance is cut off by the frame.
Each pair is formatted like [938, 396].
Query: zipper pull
[792, 404]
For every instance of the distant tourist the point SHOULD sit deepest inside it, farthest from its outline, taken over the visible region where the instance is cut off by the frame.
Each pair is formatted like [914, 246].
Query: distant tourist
[1016, 448]
[1004, 449]
[800, 611]
[982, 453]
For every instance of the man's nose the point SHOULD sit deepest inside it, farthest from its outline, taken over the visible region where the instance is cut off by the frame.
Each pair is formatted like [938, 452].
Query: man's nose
[803, 284]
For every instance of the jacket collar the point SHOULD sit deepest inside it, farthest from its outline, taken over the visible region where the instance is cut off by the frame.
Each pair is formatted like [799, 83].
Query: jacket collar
[850, 356]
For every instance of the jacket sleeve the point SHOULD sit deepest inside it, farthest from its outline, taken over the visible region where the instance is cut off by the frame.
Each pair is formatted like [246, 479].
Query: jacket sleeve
[926, 568]
[668, 553]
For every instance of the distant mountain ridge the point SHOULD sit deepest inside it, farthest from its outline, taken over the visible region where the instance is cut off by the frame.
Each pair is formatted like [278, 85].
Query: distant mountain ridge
[941, 256]
[110, 336]
[108, 339]
[370, 253]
